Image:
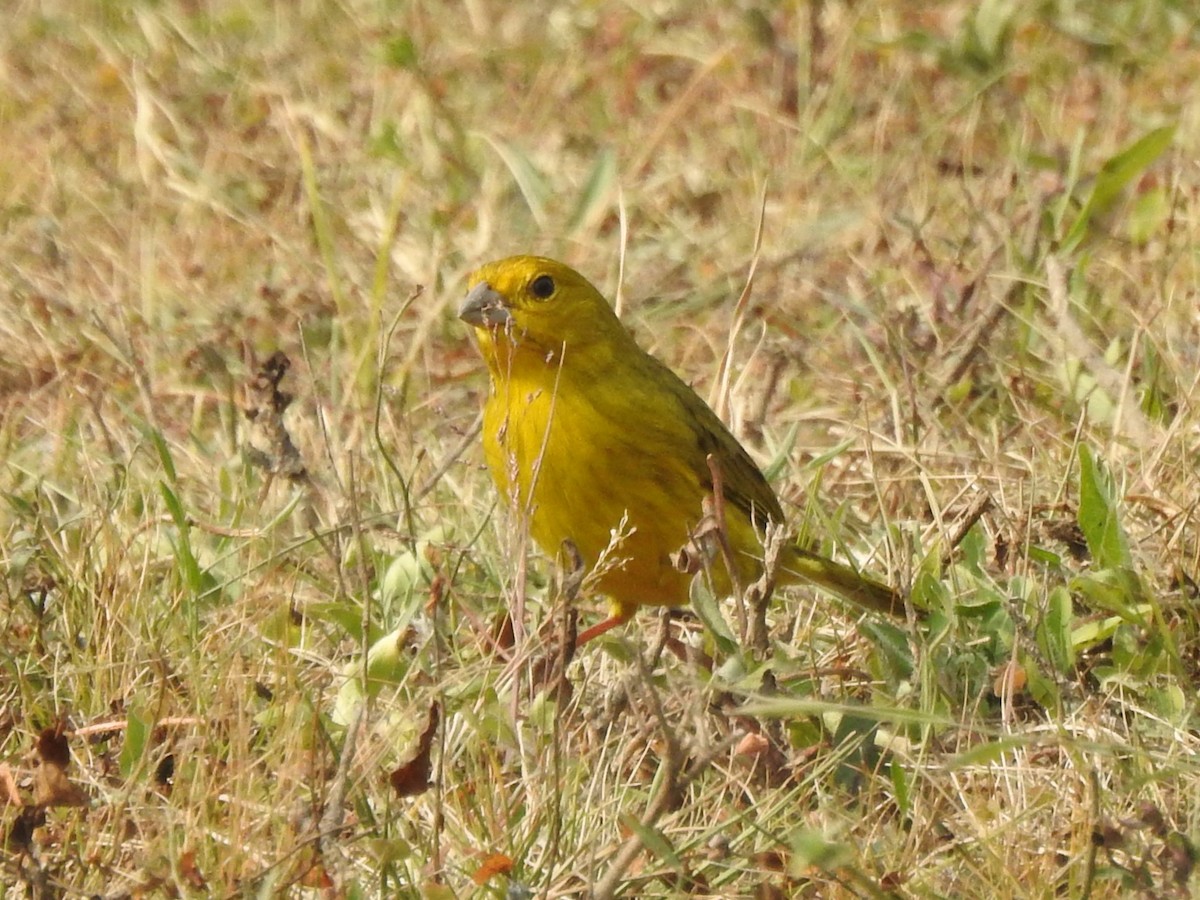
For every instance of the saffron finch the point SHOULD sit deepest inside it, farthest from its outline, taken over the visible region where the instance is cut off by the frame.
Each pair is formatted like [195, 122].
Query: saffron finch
[586, 434]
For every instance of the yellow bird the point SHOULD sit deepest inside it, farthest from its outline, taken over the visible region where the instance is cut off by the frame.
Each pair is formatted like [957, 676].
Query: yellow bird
[588, 435]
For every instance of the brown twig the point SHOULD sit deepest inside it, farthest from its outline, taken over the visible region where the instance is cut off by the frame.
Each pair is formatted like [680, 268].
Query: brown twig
[963, 524]
[968, 345]
[549, 670]
[333, 816]
[114, 725]
[758, 594]
[717, 516]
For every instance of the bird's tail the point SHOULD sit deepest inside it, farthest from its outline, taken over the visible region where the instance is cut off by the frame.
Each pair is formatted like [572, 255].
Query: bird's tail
[800, 564]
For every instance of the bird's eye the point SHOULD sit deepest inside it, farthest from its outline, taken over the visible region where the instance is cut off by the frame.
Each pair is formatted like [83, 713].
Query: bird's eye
[542, 287]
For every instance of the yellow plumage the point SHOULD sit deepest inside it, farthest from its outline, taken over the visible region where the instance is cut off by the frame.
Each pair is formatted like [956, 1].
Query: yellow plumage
[584, 430]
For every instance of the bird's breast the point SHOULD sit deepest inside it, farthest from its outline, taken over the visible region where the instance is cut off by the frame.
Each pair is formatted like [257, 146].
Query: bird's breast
[576, 464]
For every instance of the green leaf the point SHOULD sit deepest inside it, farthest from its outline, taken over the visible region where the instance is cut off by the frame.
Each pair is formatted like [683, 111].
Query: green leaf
[543, 711]
[654, 841]
[164, 453]
[174, 507]
[855, 734]
[985, 754]
[1157, 383]
[1055, 630]
[345, 616]
[783, 455]
[811, 848]
[389, 658]
[929, 591]
[981, 601]
[1043, 690]
[1148, 215]
[1045, 557]
[1117, 591]
[1098, 514]
[973, 549]
[388, 662]
[1169, 702]
[404, 574]
[1115, 175]
[529, 180]
[795, 707]
[900, 787]
[137, 730]
[894, 646]
[594, 196]
[828, 456]
[988, 34]
[805, 732]
[1089, 634]
[193, 576]
[400, 52]
[1141, 653]
[709, 611]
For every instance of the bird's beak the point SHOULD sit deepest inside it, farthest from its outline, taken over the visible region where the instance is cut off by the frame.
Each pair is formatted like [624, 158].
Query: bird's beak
[484, 308]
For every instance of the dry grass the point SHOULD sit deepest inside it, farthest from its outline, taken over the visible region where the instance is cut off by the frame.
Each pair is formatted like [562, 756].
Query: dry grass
[189, 187]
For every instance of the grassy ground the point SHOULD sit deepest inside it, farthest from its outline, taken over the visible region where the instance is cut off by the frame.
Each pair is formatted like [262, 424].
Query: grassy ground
[970, 363]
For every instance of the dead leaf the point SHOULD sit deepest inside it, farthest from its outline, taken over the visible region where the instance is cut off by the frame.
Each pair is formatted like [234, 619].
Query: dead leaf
[188, 871]
[316, 877]
[52, 746]
[1010, 680]
[51, 786]
[411, 777]
[268, 444]
[493, 865]
[893, 881]
[437, 593]
[769, 891]
[502, 637]
[20, 836]
[752, 744]
[8, 786]
[771, 860]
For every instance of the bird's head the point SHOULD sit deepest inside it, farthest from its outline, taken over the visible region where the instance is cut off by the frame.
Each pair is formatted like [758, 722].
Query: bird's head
[533, 304]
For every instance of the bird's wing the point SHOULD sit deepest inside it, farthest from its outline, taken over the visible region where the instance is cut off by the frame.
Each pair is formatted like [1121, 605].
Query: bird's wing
[699, 433]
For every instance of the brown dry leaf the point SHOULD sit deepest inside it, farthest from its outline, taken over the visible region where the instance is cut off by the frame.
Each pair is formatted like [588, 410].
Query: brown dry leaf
[310, 872]
[52, 746]
[771, 860]
[188, 871]
[268, 444]
[20, 835]
[752, 744]
[437, 593]
[316, 877]
[51, 786]
[411, 777]
[493, 865]
[1107, 835]
[893, 881]
[769, 891]
[502, 637]
[8, 786]
[1010, 680]
[1151, 817]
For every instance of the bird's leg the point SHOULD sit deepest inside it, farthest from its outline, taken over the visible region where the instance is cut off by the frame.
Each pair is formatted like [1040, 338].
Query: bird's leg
[600, 628]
